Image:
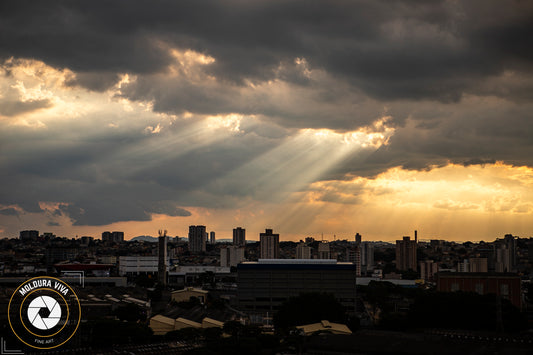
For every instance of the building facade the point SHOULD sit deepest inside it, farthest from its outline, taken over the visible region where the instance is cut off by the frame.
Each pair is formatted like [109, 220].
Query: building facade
[239, 237]
[507, 286]
[29, 235]
[303, 251]
[231, 256]
[406, 253]
[269, 244]
[197, 239]
[137, 265]
[324, 251]
[263, 286]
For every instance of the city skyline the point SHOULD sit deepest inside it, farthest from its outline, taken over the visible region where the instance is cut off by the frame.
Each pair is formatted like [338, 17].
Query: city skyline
[327, 118]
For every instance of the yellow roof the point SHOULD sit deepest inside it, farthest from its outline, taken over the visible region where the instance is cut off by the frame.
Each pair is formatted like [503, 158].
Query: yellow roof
[187, 323]
[190, 289]
[209, 322]
[162, 319]
[325, 326]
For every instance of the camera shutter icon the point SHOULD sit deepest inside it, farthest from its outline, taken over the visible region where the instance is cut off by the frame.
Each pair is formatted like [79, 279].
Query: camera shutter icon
[44, 312]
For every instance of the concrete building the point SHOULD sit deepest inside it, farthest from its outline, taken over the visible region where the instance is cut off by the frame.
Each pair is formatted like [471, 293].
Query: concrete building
[303, 251]
[324, 251]
[239, 237]
[353, 255]
[197, 239]
[212, 239]
[231, 256]
[188, 275]
[115, 237]
[262, 286]
[136, 265]
[269, 244]
[406, 253]
[428, 269]
[29, 235]
[367, 256]
[507, 286]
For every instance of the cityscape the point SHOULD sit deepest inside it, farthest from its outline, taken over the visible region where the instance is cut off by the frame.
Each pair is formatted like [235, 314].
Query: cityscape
[266, 177]
[194, 289]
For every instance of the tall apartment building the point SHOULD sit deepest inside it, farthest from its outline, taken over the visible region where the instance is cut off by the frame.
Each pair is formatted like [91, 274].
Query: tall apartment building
[324, 251]
[269, 243]
[197, 239]
[29, 235]
[406, 253]
[353, 255]
[367, 256]
[428, 269]
[115, 237]
[303, 251]
[231, 256]
[212, 239]
[505, 254]
[239, 237]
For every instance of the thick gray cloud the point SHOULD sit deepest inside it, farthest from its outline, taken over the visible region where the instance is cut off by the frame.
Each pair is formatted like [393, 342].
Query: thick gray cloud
[455, 77]
[389, 49]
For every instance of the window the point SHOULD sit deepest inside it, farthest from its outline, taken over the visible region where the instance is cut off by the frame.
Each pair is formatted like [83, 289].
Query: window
[454, 287]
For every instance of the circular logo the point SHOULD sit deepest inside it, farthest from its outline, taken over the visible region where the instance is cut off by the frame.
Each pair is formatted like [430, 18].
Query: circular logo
[44, 312]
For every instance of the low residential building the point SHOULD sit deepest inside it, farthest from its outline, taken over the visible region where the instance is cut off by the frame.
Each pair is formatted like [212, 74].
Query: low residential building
[186, 294]
[507, 286]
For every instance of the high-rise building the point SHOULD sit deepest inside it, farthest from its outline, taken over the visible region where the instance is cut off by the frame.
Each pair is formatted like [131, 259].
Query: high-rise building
[269, 243]
[231, 256]
[239, 237]
[323, 251]
[367, 256]
[505, 254]
[29, 235]
[115, 237]
[303, 251]
[428, 269]
[162, 260]
[212, 238]
[197, 239]
[118, 237]
[106, 236]
[357, 238]
[406, 253]
[353, 255]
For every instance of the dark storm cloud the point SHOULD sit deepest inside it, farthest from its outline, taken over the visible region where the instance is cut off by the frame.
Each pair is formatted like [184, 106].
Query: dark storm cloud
[389, 49]
[9, 212]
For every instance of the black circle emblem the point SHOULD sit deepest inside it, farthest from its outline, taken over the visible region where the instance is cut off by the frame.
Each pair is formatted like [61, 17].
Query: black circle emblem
[44, 312]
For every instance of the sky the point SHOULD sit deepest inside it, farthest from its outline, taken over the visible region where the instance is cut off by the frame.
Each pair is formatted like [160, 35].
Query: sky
[313, 118]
